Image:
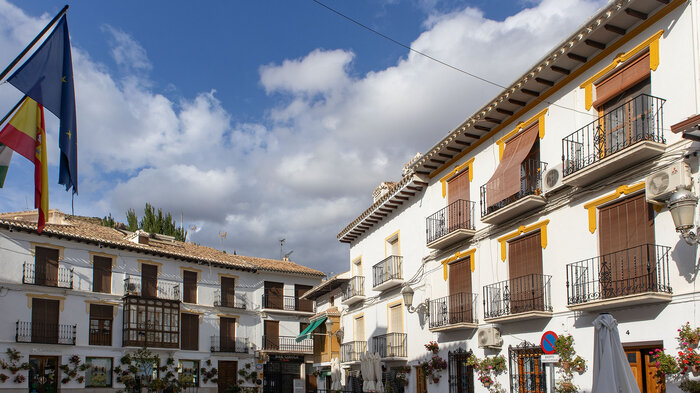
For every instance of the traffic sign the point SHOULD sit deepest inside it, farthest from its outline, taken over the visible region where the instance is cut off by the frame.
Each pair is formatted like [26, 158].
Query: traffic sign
[547, 342]
[549, 358]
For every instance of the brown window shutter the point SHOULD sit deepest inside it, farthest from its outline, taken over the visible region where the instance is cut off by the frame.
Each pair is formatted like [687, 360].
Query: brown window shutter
[190, 287]
[149, 280]
[274, 295]
[627, 76]
[458, 187]
[46, 266]
[101, 311]
[227, 333]
[525, 255]
[102, 274]
[189, 332]
[506, 179]
[272, 333]
[302, 304]
[228, 291]
[460, 277]
[45, 320]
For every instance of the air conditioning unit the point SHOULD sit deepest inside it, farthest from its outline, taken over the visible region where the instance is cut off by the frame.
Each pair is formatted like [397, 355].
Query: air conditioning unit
[489, 337]
[131, 287]
[660, 185]
[551, 180]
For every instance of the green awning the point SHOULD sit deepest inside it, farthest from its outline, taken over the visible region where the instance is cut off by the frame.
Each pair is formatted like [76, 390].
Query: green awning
[306, 332]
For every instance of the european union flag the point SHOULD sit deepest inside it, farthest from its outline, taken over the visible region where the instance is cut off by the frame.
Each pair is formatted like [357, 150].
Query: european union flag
[47, 77]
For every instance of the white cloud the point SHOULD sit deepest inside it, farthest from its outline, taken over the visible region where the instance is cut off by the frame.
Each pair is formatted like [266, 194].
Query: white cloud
[318, 72]
[127, 53]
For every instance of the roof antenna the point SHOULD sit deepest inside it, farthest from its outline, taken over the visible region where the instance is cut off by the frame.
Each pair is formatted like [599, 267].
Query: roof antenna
[282, 247]
[286, 256]
[222, 236]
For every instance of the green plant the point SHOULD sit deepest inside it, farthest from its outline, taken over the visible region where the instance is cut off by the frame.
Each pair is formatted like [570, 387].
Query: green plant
[690, 386]
[687, 336]
[71, 369]
[665, 365]
[209, 373]
[569, 362]
[488, 369]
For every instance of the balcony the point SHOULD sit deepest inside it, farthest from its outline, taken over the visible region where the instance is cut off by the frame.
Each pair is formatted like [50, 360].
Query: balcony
[518, 299]
[450, 224]
[528, 198]
[229, 344]
[287, 344]
[350, 352]
[44, 333]
[354, 291]
[637, 275]
[390, 345]
[387, 273]
[625, 136]
[454, 312]
[272, 302]
[230, 301]
[164, 289]
[50, 276]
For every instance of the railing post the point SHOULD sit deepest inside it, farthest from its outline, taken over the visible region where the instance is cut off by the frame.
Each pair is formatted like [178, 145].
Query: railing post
[17, 332]
[74, 329]
[71, 279]
[649, 282]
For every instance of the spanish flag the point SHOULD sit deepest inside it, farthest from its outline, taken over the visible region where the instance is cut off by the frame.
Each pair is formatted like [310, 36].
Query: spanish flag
[26, 134]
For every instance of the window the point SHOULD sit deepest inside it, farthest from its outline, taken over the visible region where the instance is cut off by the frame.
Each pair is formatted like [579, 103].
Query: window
[188, 370]
[45, 327]
[227, 330]
[99, 373]
[357, 267]
[149, 280]
[228, 291]
[525, 273]
[274, 295]
[395, 318]
[393, 245]
[190, 287]
[302, 304]
[459, 307]
[101, 324]
[360, 328]
[101, 274]
[46, 266]
[151, 322]
[461, 376]
[527, 374]
[190, 332]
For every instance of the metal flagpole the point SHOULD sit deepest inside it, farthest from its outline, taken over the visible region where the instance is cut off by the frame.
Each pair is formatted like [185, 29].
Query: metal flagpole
[31, 44]
[14, 108]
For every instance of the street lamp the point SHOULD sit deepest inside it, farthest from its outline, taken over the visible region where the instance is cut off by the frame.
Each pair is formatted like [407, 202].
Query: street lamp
[422, 308]
[682, 206]
[329, 328]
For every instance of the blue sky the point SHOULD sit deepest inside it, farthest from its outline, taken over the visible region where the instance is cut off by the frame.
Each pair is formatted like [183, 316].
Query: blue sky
[269, 119]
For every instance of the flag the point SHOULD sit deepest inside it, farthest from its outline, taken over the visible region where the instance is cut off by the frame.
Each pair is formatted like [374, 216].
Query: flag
[5, 157]
[47, 77]
[25, 133]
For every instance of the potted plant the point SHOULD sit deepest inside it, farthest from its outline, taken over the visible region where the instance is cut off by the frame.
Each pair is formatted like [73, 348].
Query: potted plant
[432, 347]
[687, 336]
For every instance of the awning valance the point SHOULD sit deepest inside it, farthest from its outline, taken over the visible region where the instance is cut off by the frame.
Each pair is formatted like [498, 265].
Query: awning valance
[309, 329]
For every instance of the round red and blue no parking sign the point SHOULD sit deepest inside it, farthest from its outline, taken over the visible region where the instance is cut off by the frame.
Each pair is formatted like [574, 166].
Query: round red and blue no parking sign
[547, 343]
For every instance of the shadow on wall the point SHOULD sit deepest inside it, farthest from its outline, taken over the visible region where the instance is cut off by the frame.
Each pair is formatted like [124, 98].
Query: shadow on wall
[621, 315]
[686, 259]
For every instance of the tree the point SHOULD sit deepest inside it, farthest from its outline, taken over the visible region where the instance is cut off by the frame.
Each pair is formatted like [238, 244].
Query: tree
[108, 221]
[132, 221]
[153, 221]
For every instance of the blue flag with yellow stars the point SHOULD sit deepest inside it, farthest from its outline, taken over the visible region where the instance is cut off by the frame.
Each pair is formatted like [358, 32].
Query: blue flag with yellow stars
[47, 77]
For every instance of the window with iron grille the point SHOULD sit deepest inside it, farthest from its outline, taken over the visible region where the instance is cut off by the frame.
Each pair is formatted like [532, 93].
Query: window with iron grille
[461, 376]
[527, 374]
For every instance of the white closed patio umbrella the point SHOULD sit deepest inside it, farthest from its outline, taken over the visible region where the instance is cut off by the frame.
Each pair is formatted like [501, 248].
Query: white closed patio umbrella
[378, 386]
[335, 374]
[368, 378]
[611, 370]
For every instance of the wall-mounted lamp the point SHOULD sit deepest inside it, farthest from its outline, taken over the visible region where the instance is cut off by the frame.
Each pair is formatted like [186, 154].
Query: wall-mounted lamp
[422, 308]
[329, 328]
[682, 206]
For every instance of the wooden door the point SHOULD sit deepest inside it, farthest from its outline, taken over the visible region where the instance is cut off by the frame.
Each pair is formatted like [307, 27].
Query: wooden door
[421, 382]
[228, 291]
[228, 374]
[626, 240]
[526, 285]
[635, 360]
[311, 384]
[45, 321]
[274, 295]
[189, 331]
[460, 286]
[227, 332]
[43, 374]
[272, 335]
[302, 304]
[102, 274]
[46, 266]
[149, 280]
[189, 287]
[653, 386]
[458, 211]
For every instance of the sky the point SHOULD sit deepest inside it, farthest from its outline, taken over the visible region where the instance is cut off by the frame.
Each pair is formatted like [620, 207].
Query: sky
[268, 119]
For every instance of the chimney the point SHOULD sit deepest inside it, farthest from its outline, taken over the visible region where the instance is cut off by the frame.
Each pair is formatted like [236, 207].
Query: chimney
[381, 190]
[139, 237]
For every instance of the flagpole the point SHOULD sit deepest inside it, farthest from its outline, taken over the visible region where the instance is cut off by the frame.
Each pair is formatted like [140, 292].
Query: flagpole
[12, 110]
[31, 44]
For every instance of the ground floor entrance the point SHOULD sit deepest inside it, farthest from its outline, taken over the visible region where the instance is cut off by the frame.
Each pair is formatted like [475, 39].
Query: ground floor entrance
[43, 374]
[228, 374]
[643, 368]
[280, 372]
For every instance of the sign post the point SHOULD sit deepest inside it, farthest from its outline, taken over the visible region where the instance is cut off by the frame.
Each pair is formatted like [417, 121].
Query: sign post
[549, 358]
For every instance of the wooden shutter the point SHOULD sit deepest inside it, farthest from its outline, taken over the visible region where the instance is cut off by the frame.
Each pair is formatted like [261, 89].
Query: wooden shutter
[360, 328]
[525, 273]
[189, 331]
[395, 319]
[228, 291]
[458, 187]
[302, 326]
[101, 311]
[274, 294]
[45, 320]
[46, 266]
[149, 280]
[272, 334]
[101, 274]
[460, 286]
[227, 331]
[302, 304]
[189, 287]
[506, 178]
[627, 76]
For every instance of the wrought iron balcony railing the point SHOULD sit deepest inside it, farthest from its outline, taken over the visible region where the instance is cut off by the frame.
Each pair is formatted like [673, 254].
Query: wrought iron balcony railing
[638, 119]
[163, 289]
[287, 344]
[518, 295]
[289, 303]
[455, 216]
[234, 300]
[388, 269]
[632, 271]
[47, 276]
[390, 345]
[454, 309]
[351, 351]
[44, 333]
[229, 344]
[531, 172]
[355, 287]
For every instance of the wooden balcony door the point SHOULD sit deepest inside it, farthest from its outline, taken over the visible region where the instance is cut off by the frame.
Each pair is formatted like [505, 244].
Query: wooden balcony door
[626, 227]
[228, 375]
[149, 280]
[457, 213]
[272, 335]
[524, 260]
[189, 281]
[227, 333]
[460, 283]
[228, 291]
[45, 321]
[302, 304]
[46, 266]
[274, 295]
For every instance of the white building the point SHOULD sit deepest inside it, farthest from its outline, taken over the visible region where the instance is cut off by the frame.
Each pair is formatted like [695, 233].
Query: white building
[532, 214]
[83, 289]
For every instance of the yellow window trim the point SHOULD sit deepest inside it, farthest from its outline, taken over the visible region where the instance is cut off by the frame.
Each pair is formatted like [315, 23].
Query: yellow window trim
[234, 277]
[102, 254]
[521, 126]
[356, 262]
[458, 255]
[391, 305]
[190, 269]
[236, 317]
[34, 245]
[593, 205]
[102, 302]
[542, 226]
[396, 235]
[458, 169]
[30, 296]
[147, 262]
[652, 43]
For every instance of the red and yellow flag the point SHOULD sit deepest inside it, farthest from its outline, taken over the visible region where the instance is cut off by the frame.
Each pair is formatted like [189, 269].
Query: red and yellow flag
[26, 134]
